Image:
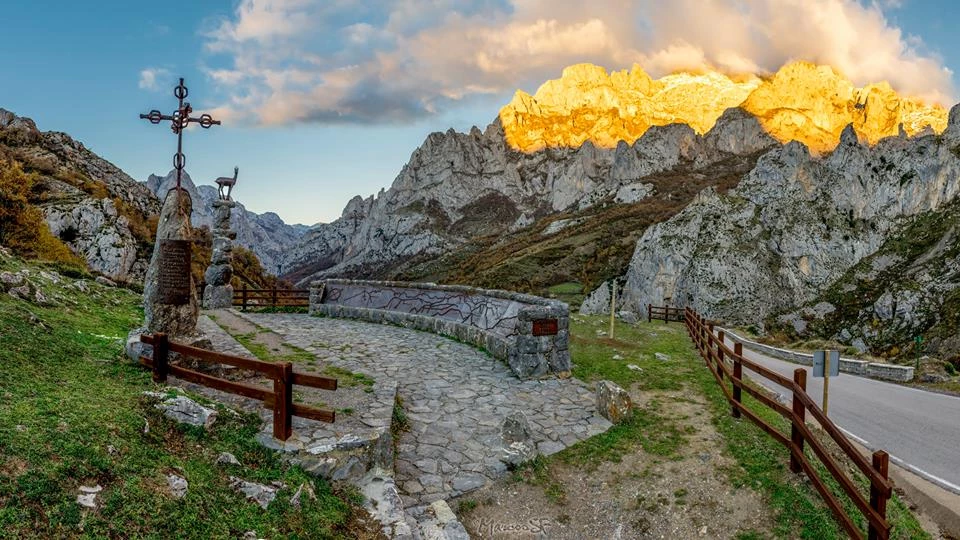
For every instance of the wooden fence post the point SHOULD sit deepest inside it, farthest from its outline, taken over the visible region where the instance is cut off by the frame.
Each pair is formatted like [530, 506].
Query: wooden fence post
[878, 501]
[274, 297]
[737, 376]
[243, 303]
[649, 312]
[161, 357]
[799, 417]
[720, 356]
[283, 401]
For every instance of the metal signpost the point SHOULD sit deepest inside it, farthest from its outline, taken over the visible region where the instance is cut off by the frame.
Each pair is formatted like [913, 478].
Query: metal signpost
[613, 306]
[826, 364]
[179, 121]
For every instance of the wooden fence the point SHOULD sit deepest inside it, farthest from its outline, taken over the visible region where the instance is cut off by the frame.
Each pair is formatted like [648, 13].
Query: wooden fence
[664, 313]
[245, 298]
[280, 399]
[720, 358]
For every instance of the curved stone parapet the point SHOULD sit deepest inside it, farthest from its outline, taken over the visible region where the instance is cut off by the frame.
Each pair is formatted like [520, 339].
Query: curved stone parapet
[530, 333]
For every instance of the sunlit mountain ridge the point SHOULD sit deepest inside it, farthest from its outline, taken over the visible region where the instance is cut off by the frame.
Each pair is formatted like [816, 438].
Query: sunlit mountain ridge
[802, 101]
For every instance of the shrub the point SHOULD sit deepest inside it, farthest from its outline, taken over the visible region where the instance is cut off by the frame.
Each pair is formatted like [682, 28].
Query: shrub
[21, 224]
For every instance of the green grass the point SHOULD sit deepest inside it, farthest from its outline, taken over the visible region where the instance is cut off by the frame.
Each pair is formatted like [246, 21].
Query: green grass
[653, 431]
[67, 397]
[346, 377]
[251, 342]
[570, 292]
[761, 461]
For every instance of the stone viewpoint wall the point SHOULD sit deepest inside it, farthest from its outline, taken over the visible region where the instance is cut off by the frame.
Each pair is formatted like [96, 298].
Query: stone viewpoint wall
[531, 334]
[862, 368]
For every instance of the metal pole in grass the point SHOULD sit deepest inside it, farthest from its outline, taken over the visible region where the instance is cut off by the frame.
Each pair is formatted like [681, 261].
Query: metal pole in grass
[613, 306]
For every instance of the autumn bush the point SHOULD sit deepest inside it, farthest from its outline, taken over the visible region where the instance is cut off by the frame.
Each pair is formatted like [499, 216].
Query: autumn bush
[21, 224]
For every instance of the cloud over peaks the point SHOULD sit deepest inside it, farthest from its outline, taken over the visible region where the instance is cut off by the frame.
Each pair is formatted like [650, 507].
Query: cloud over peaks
[389, 61]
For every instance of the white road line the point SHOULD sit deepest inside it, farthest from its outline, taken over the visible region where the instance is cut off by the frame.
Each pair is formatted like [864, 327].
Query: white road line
[945, 484]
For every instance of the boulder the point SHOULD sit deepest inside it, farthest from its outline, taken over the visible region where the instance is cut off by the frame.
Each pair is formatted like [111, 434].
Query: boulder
[517, 442]
[628, 317]
[106, 282]
[9, 280]
[88, 496]
[226, 458]
[259, 493]
[613, 402]
[21, 293]
[136, 348]
[178, 486]
[187, 411]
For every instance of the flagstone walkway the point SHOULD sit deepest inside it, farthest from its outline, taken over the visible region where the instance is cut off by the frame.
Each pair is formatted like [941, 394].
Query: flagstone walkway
[454, 395]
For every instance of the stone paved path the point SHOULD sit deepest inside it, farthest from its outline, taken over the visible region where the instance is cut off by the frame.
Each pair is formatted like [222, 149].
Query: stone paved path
[455, 397]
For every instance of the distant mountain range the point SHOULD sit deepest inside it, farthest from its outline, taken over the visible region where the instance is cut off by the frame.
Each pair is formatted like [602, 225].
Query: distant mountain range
[745, 197]
[264, 234]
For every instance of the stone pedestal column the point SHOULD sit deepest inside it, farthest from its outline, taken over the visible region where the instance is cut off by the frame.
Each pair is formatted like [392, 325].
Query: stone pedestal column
[169, 293]
[219, 293]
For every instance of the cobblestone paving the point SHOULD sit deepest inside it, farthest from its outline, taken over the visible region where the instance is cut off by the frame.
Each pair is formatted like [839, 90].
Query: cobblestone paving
[373, 408]
[455, 396]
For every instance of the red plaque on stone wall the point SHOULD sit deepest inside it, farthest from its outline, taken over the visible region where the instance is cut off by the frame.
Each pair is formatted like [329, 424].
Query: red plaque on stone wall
[545, 327]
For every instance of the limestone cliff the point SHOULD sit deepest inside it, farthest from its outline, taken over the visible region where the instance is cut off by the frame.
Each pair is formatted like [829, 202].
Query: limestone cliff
[458, 187]
[95, 208]
[795, 225]
[802, 102]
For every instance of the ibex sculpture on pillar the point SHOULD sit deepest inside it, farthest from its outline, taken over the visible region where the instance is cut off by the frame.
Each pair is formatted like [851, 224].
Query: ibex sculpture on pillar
[227, 182]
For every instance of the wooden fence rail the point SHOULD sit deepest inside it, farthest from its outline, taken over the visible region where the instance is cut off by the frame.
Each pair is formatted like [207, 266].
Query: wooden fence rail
[245, 298]
[664, 313]
[719, 358]
[280, 398]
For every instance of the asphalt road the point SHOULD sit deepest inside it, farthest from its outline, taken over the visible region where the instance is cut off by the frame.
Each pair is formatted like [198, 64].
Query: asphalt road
[919, 429]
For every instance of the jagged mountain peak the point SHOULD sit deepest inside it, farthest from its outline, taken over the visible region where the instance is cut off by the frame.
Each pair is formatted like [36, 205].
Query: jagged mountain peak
[802, 101]
[265, 234]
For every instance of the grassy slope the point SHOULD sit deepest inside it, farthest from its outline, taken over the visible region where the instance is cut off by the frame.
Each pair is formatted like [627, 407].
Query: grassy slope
[67, 396]
[583, 255]
[762, 461]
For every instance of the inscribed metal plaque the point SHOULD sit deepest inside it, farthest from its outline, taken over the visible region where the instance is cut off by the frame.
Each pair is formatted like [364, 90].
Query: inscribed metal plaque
[174, 272]
[545, 327]
[819, 361]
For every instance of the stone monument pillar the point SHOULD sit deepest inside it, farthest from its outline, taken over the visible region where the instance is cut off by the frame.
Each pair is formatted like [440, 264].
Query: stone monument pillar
[169, 293]
[219, 293]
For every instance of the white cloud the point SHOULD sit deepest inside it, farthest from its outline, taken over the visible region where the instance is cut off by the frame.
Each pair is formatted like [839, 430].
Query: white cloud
[284, 61]
[151, 77]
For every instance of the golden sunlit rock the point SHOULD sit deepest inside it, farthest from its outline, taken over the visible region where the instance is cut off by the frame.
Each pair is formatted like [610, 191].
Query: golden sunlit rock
[804, 102]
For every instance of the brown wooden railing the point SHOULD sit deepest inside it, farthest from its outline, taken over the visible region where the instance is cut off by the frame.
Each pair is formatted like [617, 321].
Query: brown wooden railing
[280, 399]
[720, 359]
[664, 313]
[244, 298]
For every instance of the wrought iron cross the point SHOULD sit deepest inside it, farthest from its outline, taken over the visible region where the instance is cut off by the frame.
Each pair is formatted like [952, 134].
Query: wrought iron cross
[179, 121]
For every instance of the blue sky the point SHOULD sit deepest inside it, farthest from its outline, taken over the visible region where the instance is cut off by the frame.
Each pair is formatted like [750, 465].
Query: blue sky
[326, 99]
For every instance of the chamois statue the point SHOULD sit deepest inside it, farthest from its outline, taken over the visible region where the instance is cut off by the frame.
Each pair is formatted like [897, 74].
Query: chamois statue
[226, 181]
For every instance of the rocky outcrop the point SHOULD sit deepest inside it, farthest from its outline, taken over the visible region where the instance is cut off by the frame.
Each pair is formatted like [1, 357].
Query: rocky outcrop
[95, 230]
[793, 226]
[264, 234]
[802, 102]
[909, 287]
[461, 186]
[90, 204]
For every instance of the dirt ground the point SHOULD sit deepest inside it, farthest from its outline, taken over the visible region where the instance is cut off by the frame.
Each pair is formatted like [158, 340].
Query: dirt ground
[644, 496]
